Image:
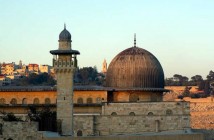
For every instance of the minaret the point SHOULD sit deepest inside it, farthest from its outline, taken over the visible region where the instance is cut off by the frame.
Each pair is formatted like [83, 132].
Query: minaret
[65, 64]
[104, 68]
[20, 64]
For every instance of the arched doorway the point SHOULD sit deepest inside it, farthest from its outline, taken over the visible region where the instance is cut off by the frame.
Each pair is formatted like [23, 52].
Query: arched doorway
[79, 133]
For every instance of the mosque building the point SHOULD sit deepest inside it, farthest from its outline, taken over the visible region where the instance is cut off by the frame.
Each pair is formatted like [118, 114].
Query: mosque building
[131, 102]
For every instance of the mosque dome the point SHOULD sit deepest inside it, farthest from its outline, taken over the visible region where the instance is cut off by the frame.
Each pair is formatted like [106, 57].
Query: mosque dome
[65, 35]
[135, 68]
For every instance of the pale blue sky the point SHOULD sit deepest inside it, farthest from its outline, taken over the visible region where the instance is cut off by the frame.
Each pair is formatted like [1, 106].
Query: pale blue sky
[178, 32]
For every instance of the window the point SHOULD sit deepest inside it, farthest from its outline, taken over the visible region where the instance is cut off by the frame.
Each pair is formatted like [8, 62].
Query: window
[47, 101]
[150, 114]
[24, 101]
[113, 113]
[2, 101]
[79, 133]
[80, 101]
[89, 101]
[168, 112]
[13, 101]
[36, 101]
[131, 114]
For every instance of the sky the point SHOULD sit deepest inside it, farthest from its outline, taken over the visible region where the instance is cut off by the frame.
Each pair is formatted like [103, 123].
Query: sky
[178, 32]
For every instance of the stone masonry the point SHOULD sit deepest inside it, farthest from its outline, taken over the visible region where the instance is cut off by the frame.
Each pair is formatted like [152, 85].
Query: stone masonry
[134, 118]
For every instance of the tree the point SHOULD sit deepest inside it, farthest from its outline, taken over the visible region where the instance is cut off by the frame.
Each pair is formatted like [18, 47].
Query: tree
[186, 92]
[197, 80]
[10, 117]
[45, 117]
[88, 75]
[34, 79]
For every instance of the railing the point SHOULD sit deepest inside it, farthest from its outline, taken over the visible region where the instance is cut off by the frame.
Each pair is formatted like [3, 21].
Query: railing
[61, 63]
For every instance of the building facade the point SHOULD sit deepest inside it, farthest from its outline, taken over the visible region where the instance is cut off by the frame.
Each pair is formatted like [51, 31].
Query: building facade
[131, 102]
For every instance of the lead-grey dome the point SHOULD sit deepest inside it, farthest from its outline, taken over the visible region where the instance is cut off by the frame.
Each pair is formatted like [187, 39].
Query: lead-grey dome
[65, 35]
[135, 68]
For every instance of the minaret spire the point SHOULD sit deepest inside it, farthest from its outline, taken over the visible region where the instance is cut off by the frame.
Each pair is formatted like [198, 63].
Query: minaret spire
[134, 39]
[64, 26]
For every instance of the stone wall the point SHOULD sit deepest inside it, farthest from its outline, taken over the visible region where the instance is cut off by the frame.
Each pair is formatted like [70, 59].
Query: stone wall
[111, 125]
[84, 124]
[96, 96]
[126, 96]
[202, 115]
[29, 96]
[138, 124]
[144, 108]
[20, 131]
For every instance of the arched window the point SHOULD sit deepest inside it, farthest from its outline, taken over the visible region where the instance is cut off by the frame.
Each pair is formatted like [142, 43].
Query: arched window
[24, 101]
[113, 113]
[131, 114]
[168, 112]
[79, 133]
[29, 138]
[36, 101]
[2, 101]
[150, 114]
[47, 101]
[133, 97]
[80, 101]
[89, 101]
[13, 101]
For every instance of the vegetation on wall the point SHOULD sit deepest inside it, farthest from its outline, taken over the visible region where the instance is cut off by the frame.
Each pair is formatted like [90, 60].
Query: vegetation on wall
[45, 117]
[10, 117]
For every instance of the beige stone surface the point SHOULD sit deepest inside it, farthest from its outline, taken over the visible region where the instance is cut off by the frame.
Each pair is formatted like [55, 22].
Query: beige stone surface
[20, 131]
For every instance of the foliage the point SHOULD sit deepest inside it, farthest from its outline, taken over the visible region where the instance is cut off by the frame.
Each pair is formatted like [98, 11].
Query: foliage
[180, 96]
[37, 79]
[198, 95]
[186, 92]
[10, 117]
[45, 117]
[89, 75]
[206, 85]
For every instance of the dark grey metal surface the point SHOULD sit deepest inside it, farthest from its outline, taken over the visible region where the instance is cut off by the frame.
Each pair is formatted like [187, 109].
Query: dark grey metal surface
[65, 35]
[135, 68]
[54, 52]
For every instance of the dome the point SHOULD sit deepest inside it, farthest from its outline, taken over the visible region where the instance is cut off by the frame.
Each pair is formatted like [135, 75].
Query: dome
[65, 35]
[135, 68]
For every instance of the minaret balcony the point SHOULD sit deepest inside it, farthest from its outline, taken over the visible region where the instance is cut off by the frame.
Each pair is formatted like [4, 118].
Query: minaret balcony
[63, 64]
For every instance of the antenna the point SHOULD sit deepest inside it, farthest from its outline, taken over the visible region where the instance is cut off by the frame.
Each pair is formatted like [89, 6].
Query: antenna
[134, 39]
[64, 26]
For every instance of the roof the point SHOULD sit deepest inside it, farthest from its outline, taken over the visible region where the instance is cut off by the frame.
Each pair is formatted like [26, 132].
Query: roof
[65, 35]
[56, 52]
[77, 88]
[34, 65]
[135, 68]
